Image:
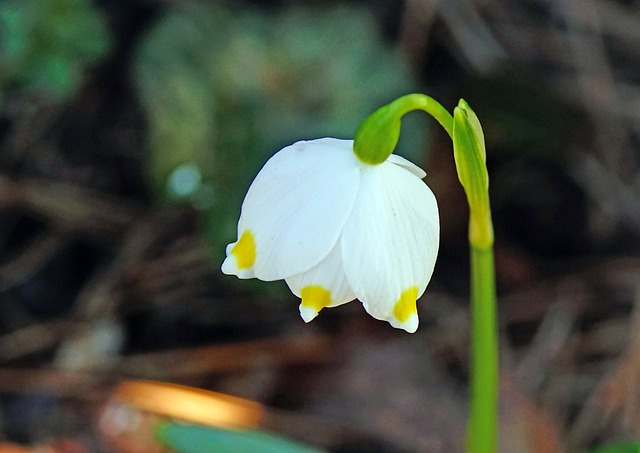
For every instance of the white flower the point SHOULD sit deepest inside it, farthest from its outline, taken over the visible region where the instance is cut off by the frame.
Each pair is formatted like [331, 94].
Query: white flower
[335, 229]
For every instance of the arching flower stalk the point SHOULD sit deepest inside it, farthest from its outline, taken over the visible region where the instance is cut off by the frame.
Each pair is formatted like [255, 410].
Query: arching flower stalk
[341, 219]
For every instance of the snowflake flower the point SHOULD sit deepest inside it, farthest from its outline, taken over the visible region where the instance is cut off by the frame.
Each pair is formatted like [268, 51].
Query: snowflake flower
[336, 228]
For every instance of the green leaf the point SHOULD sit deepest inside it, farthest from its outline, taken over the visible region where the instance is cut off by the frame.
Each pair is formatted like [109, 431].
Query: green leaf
[625, 447]
[186, 438]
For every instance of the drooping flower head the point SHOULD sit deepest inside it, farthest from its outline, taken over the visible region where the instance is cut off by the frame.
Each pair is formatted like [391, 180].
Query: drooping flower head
[336, 227]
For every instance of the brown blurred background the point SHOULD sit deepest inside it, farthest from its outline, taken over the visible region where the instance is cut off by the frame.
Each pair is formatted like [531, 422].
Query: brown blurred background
[131, 129]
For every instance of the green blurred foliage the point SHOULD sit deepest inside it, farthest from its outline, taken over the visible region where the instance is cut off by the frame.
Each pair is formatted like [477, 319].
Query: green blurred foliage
[224, 90]
[185, 438]
[46, 44]
[625, 447]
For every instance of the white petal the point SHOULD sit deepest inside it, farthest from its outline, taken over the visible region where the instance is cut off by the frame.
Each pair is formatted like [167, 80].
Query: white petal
[324, 285]
[390, 243]
[295, 210]
[407, 165]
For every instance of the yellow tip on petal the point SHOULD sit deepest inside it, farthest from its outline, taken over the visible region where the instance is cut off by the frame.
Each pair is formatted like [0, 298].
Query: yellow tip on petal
[314, 299]
[406, 305]
[245, 250]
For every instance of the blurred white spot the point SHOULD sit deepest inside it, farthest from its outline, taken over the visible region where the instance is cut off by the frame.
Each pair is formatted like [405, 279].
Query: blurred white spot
[184, 180]
[93, 346]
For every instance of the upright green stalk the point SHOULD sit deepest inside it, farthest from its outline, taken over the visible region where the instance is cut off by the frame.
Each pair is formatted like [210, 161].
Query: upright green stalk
[482, 432]
[470, 156]
[375, 139]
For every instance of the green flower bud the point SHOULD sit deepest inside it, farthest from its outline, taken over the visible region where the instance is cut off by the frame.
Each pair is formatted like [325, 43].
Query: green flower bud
[470, 155]
[377, 136]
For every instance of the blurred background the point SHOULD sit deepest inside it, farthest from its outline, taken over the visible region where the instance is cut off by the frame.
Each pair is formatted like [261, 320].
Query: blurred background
[131, 129]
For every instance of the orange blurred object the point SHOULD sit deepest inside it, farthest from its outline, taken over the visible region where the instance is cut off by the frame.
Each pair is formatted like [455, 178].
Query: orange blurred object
[190, 404]
[12, 448]
[128, 420]
[58, 446]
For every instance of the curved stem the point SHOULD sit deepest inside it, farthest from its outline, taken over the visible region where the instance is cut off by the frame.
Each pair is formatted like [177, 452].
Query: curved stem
[482, 431]
[377, 136]
[375, 140]
[419, 101]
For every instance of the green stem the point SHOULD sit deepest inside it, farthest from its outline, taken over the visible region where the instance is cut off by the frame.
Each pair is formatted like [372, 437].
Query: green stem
[482, 432]
[419, 101]
[377, 136]
[374, 141]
